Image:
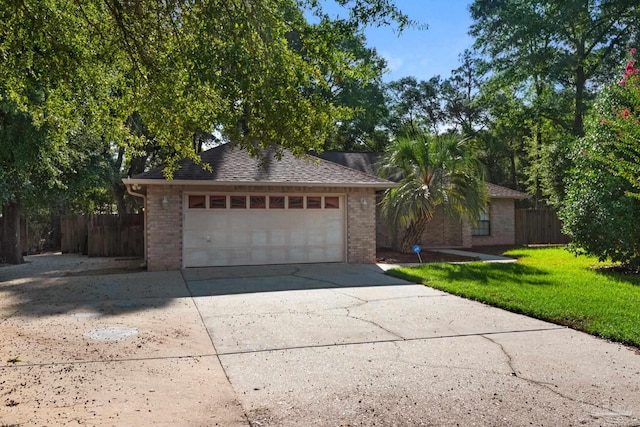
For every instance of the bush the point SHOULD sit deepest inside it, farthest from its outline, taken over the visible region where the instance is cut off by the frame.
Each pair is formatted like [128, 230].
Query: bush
[602, 202]
[598, 214]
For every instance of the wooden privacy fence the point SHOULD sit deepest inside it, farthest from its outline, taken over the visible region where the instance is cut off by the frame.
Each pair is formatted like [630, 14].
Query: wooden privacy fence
[103, 235]
[539, 226]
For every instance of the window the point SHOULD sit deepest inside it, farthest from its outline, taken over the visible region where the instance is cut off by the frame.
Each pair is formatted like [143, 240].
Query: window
[238, 202]
[331, 202]
[258, 202]
[218, 202]
[483, 226]
[197, 202]
[314, 202]
[276, 202]
[296, 202]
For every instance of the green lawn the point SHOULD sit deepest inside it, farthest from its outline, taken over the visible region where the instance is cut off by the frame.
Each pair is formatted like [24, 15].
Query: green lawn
[549, 284]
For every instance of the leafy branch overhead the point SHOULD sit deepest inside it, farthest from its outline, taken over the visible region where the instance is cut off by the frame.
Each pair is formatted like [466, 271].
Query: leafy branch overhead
[229, 66]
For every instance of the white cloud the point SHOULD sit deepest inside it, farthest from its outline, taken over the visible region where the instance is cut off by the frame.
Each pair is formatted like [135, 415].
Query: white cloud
[394, 63]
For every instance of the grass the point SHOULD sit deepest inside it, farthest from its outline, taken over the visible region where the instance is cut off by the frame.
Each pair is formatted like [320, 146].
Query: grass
[549, 284]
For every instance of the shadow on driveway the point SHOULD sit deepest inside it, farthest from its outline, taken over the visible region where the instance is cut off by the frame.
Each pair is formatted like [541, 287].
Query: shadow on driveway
[57, 283]
[69, 283]
[212, 281]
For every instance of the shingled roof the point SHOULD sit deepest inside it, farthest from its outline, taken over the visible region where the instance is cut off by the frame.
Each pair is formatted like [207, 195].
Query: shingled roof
[499, 192]
[368, 162]
[233, 165]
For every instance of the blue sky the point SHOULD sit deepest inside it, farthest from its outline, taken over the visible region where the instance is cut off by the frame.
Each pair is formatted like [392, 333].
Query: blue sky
[424, 53]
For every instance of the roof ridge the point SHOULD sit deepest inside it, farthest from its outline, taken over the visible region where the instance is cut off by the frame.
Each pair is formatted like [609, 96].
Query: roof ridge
[346, 167]
[233, 163]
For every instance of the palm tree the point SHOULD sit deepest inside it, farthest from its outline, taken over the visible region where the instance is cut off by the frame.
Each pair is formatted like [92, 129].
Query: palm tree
[432, 171]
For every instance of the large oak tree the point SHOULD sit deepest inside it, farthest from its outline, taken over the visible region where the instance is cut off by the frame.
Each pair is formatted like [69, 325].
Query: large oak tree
[223, 66]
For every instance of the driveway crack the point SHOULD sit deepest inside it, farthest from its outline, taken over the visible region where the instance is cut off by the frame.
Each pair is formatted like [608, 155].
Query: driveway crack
[215, 350]
[297, 271]
[371, 322]
[604, 411]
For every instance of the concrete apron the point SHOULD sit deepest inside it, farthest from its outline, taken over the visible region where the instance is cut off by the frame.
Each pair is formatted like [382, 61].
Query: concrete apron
[294, 345]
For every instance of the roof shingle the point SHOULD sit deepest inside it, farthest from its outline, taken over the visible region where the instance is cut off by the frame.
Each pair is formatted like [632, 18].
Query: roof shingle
[232, 165]
[368, 162]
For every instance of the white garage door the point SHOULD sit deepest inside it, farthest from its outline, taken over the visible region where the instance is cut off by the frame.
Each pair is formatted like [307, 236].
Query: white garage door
[238, 229]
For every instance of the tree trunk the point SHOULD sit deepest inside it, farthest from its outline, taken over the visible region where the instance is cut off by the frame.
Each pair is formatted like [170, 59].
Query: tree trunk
[514, 172]
[11, 247]
[578, 118]
[412, 236]
[539, 160]
[118, 191]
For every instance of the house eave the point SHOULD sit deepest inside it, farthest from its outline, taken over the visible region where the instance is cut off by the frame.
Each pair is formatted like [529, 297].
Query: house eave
[510, 197]
[187, 182]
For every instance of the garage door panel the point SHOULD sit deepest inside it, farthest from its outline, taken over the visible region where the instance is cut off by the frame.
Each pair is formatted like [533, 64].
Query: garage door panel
[216, 237]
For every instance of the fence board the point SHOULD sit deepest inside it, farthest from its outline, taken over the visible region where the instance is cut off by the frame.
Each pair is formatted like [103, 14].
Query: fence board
[73, 230]
[539, 226]
[103, 235]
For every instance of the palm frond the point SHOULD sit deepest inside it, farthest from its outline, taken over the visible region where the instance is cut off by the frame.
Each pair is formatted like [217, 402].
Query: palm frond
[432, 171]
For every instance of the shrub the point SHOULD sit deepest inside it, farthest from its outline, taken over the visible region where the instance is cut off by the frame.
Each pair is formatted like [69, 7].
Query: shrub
[602, 203]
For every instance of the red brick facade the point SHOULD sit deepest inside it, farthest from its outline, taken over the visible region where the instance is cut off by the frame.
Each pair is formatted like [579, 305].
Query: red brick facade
[164, 218]
[502, 222]
[361, 227]
[164, 228]
[444, 232]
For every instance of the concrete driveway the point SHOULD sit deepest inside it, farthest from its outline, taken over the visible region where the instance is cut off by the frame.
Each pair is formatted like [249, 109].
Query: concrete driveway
[334, 344]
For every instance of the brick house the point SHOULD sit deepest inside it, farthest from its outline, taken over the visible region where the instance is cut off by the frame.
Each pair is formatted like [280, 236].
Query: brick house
[496, 226]
[257, 211]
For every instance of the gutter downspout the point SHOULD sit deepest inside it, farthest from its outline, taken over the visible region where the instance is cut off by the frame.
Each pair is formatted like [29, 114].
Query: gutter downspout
[131, 191]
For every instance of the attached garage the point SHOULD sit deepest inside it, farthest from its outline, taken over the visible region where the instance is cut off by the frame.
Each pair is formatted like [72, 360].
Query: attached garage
[245, 229]
[275, 209]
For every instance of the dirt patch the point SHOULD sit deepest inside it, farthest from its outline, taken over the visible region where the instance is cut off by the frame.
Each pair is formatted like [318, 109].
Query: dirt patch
[107, 271]
[389, 256]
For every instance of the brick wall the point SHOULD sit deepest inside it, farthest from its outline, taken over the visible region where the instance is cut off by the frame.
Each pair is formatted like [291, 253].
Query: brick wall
[384, 237]
[164, 228]
[502, 223]
[164, 221]
[361, 226]
[442, 231]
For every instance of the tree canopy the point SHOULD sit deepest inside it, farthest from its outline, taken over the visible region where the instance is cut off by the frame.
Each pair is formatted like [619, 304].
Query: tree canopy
[569, 44]
[156, 75]
[230, 66]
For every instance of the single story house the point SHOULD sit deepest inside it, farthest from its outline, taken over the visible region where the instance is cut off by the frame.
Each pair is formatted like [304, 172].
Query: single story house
[257, 211]
[496, 226]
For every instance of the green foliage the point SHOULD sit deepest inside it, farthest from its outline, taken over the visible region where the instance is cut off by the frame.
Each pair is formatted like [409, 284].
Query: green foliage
[416, 106]
[503, 140]
[620, 118]
[460, 94]
[600, 210]
[550, 284]
[433, 171]
[27, 157]
[362, 94]
[559, 42]
[553, 55]
[221, 65]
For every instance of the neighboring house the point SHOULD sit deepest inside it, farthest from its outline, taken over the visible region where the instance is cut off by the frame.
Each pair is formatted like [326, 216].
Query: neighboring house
[496, 227]
[257, 211]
